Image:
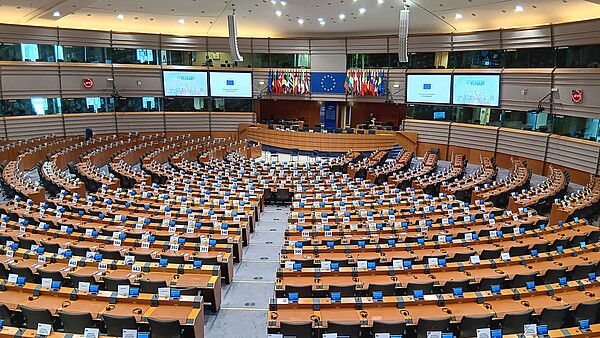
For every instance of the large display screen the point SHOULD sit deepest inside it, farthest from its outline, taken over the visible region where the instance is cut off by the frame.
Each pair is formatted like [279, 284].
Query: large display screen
[428, 88]
[231, 84]
[185, 83]
[476, 90]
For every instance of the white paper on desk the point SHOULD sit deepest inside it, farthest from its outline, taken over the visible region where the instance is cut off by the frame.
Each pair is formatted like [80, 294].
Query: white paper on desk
[164, 292]
[91, 332]
[475, 259]
[88, 232]
[362, 264]
[12, 277]
[432, 261]
[330, 335]
[382, 335]
[274, 335]
[397, 263]
[434, 334]
[129, 259]
[484, 333]
[46, 282]
[530, 329]
[129, 333]
[123, 290]
[84, 286]
[43, 330]
[289, 264]
[326, 265]
[505, 256]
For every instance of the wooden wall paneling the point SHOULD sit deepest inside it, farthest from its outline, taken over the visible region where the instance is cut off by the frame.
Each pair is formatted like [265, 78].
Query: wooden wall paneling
[573, 153]
[187, 121]
[218, 44]
[21, 80]
[101, 123]
[24, 127]
[536, 37]
[229, 121]
[579, 33]
[476, 41]
[327, 46]
[290, 109]
[141, 122]
[472, 137]
[72, 75]
[383, 112]
[425, 43]
[431, 134]
[138, 80]
[245, 45]
[586, 79]
[135, 40]
[184, 43]
[523, 145]
[28, 34]
[369, 45]
[78, 37]
[535, 83]
[289, 46]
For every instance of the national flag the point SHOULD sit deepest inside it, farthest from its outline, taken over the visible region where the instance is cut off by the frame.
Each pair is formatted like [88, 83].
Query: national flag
[328, 83]
[346, 83]
[270, 85]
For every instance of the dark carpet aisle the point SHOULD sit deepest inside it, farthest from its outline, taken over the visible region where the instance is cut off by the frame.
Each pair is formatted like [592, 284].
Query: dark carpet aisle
[245, 301]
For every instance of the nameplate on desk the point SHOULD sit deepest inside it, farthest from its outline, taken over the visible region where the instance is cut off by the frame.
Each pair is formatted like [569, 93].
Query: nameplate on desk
[484, 333]
[174, 247]
[325, 220]
[203, 248]
[123, 290]
[505, 256]
[328, 233]
[102, 266]
[288, 265]
[129, 333]
[43, 330]
[72, 263]
[345, 219]
[41, 258]
[530, 329]
[164, 292]
[145, 245]
[10, 253]
[12, 278]
[432, 261]
[362, 264]
[434, 334]
[46, 282]
[297, 251]
[84, 286]
[475, 259]
[117, 242]
[89, 332]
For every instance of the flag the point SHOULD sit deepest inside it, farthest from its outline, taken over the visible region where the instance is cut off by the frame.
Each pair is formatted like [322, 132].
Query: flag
[328, 83]
[347, 83]
[270, 85]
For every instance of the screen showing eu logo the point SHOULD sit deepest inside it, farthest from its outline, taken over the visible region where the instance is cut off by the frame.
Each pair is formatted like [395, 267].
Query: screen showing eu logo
[328, 83]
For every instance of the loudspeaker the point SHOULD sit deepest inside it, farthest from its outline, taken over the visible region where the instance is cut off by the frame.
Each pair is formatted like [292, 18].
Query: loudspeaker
[233, 43]
[403, 36]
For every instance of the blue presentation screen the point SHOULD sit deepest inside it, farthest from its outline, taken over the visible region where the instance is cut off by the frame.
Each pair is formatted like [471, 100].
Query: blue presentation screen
[231, 84]
[185, 83]
[428, 88]
[476, 90]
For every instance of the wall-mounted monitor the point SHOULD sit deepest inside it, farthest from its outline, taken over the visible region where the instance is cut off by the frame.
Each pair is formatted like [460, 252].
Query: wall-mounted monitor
[231, 84]
[476, 90]
[428, 88]
[439, 115]
[185, 83]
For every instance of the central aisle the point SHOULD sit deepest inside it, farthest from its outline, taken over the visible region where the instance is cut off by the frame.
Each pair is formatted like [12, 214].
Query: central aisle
[245, 301]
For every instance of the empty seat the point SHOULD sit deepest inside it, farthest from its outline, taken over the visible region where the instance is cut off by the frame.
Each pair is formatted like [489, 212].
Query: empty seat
[554, 318]
[432, 324]
[588, 310]
[165, 328]
[450, 285]
[303, 291]
[519, 250]
[112, 284]
[344, 290]
[486, 283]
[426, 287]
[76, 322]
[116, 324]
[388, 289]
[581, 271]
[349, 329]
[514, 322]
[25, 271]
[35, 316]
[469, 324]
[553, 275]
[76, 279]
[520, 280]
[296, 329]
[490, 254]
[391, 327]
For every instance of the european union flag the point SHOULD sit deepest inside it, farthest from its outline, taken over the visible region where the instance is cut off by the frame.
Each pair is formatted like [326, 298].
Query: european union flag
[328, 83]
[427, 86]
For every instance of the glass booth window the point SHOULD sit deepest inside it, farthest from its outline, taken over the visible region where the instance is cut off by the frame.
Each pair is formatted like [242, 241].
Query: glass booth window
[10, 52]
[476, 59]
[134, 56]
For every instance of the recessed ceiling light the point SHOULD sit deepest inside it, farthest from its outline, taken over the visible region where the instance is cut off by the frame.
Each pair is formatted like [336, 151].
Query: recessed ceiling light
[283, 3]
[120, 16]
[274, 2]
[380, 1]
[56, 14]
[362, 10]
[458, 16]
[320, 19]
[321, 23]
[342, 16]
[300, 21]
[182, 20]
[278, 12]
[519, 8]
